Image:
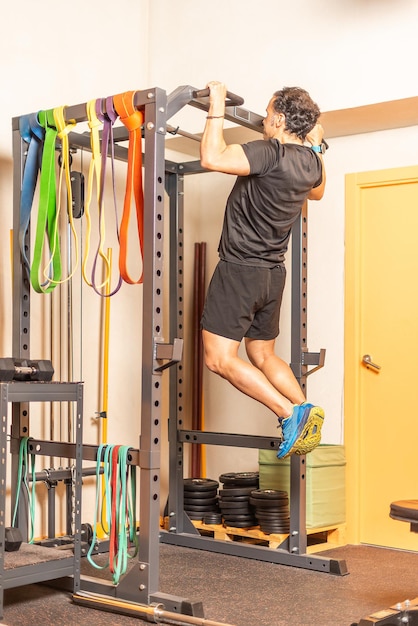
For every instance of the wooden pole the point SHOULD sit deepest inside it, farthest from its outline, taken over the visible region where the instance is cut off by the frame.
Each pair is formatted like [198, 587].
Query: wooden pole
[199, 279]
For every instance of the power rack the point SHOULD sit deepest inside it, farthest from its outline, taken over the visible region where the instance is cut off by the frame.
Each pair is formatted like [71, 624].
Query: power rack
[141, 583]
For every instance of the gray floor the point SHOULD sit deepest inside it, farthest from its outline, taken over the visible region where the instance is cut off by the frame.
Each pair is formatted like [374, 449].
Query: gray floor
[245, 592]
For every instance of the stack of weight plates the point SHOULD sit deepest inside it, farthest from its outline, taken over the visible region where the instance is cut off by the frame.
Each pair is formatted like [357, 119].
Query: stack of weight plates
[200, 499]
[234, 499]
[271, 510]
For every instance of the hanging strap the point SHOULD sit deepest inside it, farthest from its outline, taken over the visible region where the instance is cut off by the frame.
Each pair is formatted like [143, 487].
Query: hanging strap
[119, 505]
[94, 174]
[125, 514]
[113, 538]
[63, 128]
[33, 134]
[47, 215]
[132, 119]
[22, 480]
[96, 512]
[106, 113]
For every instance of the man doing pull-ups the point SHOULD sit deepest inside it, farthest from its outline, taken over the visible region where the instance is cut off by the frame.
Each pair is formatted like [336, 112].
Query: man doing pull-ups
[274, 178]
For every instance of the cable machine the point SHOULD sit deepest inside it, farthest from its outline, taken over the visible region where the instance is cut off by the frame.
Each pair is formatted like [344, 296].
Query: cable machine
[140, 586]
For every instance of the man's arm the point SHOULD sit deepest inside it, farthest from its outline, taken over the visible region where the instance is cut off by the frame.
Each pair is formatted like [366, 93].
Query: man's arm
[215, 154]
[315, 139]
[316, 193]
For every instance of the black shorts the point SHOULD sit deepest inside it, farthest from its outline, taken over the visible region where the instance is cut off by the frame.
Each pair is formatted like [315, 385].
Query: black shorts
[244, 301]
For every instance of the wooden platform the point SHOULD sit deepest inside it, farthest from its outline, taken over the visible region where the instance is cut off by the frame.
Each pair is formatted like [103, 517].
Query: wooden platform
[319, 539]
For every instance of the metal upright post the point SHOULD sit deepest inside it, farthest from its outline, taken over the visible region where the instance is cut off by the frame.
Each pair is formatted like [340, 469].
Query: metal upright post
[142, 590]
[175, 191]
[21, 286]
[20, 314]
[297, 536]
[3, 488]
[51, 487]
[178, 521]
[141, 584]
[77, 486]
[152, 320]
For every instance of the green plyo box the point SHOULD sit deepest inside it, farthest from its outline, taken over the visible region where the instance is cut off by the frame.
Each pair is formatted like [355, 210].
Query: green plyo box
[325, 482]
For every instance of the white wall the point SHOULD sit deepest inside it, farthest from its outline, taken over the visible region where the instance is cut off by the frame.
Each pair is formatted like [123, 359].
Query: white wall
[346, 53]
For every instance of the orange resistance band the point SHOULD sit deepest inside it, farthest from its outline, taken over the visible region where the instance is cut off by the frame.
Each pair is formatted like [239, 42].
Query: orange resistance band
[133, 120]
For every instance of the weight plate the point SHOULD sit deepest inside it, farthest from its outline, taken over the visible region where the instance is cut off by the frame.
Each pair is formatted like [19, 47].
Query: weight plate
[243, 511]
[233, 505]
[276, 525]
[283, 527]
[237, 484]
[216, 518]
[282, 530]
[276, 511]
[269, 504]
[203, 508]
[239, 499]
[269, 494]
[240, 517]
[272, 516]
[236, 512]
[200, 494]
[199, 484]
[239, 478]
[235, 491]
[276, 516]
[199, 501]
[241, 525]
[259, 503]
[225, 496]
[195, 516]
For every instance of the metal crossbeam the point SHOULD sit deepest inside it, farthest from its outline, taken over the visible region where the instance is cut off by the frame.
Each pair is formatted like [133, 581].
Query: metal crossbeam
[229, 439]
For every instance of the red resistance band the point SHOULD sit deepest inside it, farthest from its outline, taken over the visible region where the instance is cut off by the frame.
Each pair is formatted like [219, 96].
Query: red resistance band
[113, 539]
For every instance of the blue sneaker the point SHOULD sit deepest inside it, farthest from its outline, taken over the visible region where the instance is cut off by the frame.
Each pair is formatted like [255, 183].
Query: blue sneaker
[301, 431]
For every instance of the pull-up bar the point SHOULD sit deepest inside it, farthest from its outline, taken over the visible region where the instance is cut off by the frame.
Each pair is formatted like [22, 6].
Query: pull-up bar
[180, 97]
[176, 101]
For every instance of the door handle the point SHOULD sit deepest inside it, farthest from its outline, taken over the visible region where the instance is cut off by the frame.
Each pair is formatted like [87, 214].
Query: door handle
[367, 360]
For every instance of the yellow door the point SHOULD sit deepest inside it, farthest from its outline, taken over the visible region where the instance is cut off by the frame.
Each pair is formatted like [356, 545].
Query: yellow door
[381, 309]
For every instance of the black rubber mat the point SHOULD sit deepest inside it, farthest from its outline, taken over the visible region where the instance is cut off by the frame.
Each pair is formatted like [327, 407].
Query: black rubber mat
[244, 592]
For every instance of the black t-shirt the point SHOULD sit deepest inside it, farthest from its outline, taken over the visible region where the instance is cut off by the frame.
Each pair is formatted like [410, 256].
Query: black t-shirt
[263, 206]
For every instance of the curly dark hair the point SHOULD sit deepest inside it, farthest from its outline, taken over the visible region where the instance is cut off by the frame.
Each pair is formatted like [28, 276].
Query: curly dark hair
[299, 109]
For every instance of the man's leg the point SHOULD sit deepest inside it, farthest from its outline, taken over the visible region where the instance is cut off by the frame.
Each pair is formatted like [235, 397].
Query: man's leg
[278, 373]
[301, 424]
[221, 357]
[301, 432]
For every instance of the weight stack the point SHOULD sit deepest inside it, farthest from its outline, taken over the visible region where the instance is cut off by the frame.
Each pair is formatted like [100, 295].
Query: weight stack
[234, 499]
[271, 510]
[201, 499]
